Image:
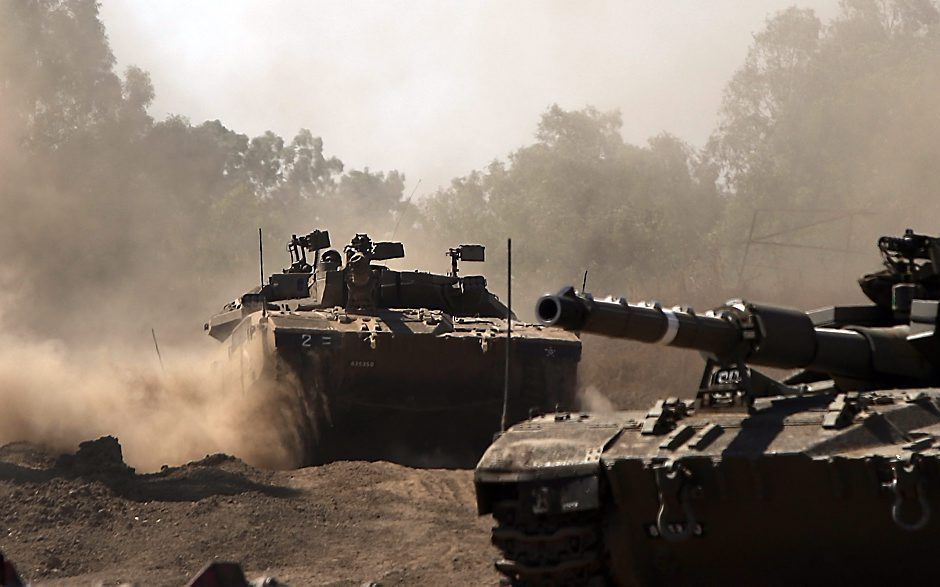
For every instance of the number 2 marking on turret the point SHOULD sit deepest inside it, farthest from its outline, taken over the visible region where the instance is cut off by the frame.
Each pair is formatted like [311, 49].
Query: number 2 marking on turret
[306, 340]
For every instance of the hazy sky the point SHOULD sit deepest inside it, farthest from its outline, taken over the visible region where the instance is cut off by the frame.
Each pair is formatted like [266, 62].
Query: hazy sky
[436, 89]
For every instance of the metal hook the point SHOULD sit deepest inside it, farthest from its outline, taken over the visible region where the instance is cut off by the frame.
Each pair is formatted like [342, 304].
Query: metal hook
[906, 473]
[673, 475]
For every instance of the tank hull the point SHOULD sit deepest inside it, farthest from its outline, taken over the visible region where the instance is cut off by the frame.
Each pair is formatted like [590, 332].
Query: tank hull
[429, 396]
[774, 498]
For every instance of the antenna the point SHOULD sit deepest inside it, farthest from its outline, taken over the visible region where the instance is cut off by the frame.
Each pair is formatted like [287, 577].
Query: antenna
[584, 282]
[261, 255]
[264, 302]
[157, 347]
[503, 422]
[402, 215]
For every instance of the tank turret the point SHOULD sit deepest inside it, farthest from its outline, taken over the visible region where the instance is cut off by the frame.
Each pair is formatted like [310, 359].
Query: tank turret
[892, 343]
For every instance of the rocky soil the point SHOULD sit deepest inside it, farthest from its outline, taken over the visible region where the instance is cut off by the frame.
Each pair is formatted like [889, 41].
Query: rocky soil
[89, 519]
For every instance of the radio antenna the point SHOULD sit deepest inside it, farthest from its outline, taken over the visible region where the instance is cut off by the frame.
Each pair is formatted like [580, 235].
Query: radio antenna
[264, 302]
[157, 347]
[261, 255]
[503, 421]
[402, 215]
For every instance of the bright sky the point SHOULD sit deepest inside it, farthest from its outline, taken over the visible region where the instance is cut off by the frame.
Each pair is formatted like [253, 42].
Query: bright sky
[437, 88]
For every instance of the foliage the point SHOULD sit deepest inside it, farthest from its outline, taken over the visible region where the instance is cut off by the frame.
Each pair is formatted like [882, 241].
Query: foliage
[104, 203]
[842, 115]
[580, 198]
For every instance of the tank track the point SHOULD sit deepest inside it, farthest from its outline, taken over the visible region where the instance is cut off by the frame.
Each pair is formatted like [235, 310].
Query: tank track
[548, 549]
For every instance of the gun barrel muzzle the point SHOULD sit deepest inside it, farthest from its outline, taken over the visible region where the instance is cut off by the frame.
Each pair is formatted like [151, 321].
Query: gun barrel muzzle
[561, 311]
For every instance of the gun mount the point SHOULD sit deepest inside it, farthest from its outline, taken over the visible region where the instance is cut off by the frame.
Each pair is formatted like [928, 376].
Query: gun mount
[374, 251]
[475, 253]
[912, 271]
[300, 245]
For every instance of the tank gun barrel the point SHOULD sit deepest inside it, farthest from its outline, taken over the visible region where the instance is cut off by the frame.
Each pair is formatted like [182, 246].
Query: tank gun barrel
[738, 332]
[649, 323]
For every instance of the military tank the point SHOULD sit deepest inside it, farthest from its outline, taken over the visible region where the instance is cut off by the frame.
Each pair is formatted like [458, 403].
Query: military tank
[827, 474]
[404, 366]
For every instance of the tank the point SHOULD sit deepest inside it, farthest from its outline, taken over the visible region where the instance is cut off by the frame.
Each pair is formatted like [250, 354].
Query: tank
[404, 366]
[821, 470]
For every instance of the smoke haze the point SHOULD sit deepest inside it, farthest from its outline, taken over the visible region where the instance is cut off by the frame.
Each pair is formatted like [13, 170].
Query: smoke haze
[438, 88]
[134, 175]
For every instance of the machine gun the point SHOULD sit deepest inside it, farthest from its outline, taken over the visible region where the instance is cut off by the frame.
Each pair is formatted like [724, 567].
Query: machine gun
[858, 347]
[906, 255]
[364, 246]
[476, 253]
[911, 270]
[298, 247]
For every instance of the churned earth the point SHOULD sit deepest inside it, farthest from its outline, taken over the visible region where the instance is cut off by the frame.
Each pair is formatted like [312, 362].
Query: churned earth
[89, 519]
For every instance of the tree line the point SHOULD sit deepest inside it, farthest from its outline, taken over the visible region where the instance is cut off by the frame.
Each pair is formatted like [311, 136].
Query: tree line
[113, 218]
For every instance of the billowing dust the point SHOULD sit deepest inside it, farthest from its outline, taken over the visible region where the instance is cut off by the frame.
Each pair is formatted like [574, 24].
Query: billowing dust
[58, 396]
[591, 399]
[116, 222]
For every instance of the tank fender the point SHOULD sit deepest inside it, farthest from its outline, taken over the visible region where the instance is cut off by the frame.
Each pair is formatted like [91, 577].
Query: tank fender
[562, 495]
[548, 465]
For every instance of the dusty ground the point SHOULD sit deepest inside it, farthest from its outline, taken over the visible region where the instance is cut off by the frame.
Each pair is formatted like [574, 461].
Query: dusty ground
[88, 519]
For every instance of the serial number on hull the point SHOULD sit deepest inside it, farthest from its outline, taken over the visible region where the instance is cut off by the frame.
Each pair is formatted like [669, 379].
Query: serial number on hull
[305, 340]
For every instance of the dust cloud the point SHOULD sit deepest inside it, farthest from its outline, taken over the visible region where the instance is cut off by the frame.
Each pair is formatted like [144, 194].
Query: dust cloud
[591, 399]
[116, 223]
[58, 396]
[120, 217]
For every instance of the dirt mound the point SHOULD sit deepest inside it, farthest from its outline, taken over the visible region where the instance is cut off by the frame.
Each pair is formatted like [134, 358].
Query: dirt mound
[100, 457]
[89, 518]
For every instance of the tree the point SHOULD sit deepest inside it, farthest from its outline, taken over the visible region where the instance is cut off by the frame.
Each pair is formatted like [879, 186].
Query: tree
[103, 203]
[579, 198]
[837, 116]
